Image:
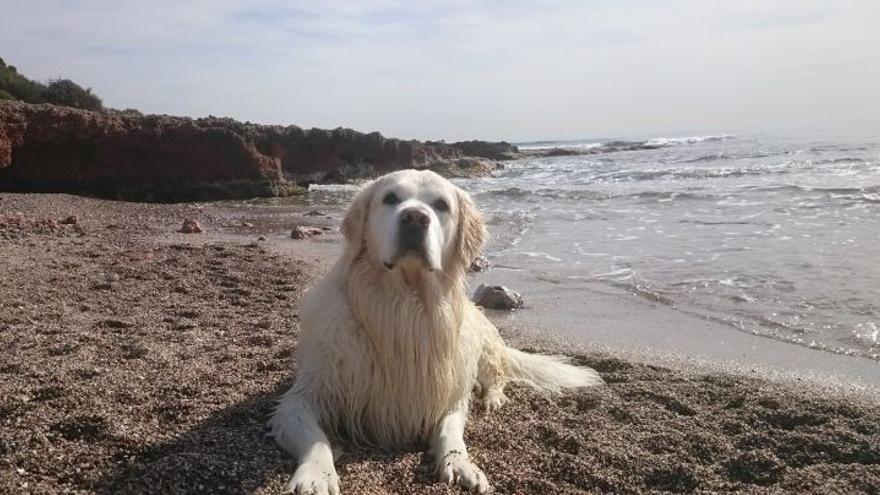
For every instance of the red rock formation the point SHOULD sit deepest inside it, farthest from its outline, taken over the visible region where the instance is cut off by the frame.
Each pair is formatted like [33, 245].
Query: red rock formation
[126, 155]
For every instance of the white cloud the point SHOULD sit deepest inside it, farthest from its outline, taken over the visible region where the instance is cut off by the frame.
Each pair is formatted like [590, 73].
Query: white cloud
[432, 69]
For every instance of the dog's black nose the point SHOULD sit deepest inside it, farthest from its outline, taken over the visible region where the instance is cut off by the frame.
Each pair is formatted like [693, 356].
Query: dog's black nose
[413, 217]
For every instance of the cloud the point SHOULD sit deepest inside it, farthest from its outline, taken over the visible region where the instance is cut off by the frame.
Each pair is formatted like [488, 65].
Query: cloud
[431, 69]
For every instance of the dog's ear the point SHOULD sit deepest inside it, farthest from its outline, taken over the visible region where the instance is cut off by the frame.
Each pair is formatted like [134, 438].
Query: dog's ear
[355, 220]
[471, 230]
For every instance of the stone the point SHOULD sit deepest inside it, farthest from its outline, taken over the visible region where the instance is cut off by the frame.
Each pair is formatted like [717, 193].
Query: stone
[501, 150]
[191, 226]
[304, 232]
[480, 264]
[497, 297]
[70, 220]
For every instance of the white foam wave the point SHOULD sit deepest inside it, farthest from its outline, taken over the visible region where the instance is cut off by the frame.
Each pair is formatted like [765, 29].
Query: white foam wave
[335, 187]
[561, 144]
[660, 141]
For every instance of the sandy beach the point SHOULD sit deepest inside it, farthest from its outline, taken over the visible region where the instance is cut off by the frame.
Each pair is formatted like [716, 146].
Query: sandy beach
[137, 359]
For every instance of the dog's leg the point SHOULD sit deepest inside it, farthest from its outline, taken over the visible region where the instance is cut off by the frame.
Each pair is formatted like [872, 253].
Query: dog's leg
[451, 460]
[491, 379]
[296, 429]
[492, 376]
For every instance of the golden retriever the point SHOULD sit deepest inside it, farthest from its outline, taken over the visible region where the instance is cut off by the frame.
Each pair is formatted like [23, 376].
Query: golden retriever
[391, 348]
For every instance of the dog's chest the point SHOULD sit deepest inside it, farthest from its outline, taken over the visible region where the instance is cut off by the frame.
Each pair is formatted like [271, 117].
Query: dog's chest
[417, 370]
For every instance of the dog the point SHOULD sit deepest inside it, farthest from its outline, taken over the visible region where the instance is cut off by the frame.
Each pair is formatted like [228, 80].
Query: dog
[391, 348]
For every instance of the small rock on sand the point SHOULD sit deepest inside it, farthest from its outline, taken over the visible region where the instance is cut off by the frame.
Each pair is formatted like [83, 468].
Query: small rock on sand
[191, 226]
[497, 297]
[70, 220]
[480, 264]
[304, 232]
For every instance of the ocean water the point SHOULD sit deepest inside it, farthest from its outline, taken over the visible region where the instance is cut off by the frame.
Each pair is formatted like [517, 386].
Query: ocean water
[777, 237]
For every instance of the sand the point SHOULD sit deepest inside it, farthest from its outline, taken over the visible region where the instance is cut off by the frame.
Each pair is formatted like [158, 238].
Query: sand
[135, 359]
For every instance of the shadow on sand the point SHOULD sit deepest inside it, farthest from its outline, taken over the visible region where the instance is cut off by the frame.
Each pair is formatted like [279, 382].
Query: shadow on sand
[230, 452]
[227, 452]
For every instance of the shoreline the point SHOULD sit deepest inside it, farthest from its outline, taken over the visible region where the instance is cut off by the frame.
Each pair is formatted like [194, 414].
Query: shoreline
[598, 316]
[592, 315]
[141, 359]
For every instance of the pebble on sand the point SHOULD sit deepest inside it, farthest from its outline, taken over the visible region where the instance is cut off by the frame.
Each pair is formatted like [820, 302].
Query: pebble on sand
[191, 226]
[480, 264]
[304, 232]
[497, 297]
[70, 220]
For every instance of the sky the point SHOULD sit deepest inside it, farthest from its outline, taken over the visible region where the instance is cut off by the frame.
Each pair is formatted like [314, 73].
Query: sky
[516, 70]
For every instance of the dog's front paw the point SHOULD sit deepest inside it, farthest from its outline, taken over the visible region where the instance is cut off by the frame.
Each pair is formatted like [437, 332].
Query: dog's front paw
[312, 478]
[456, 468]
[493, 399]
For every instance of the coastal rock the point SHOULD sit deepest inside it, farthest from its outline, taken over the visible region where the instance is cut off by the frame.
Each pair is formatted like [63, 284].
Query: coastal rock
[480, 264]
[562, 152]
[497, 297]
[191, 226]
[464, 167]
[304, 232]
[501, 150]
[130, 156]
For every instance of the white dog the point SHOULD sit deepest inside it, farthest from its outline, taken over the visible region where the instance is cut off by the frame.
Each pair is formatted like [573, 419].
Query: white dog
[391, 347]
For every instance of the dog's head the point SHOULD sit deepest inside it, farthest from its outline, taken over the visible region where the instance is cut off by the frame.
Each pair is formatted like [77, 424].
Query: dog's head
[414, 219]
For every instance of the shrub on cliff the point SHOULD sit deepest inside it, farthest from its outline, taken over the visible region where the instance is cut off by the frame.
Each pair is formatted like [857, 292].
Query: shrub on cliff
[70, 94]
[20, 87]
[14, 86]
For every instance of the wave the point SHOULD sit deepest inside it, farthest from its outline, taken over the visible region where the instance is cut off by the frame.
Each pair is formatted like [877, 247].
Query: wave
[548, 145]
[687, 140]
[694, 173]
[610, 146]
[335, 188]
[867, 194]
[519, 194]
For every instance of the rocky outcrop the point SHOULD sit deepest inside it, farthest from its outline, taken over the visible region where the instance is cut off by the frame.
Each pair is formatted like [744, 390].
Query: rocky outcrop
[501, 150]
[127, 155]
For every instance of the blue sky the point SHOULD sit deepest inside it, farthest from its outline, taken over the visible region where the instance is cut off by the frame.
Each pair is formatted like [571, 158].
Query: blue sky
[514, 70]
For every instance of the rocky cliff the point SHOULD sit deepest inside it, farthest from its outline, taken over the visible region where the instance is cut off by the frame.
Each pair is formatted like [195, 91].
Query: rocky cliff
[501, 150]
[127, 155]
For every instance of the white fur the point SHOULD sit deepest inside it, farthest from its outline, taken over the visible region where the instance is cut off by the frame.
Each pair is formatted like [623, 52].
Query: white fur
[389, 357]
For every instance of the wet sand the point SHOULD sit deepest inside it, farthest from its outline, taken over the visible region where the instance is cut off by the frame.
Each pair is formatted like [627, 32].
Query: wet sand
[139, 360]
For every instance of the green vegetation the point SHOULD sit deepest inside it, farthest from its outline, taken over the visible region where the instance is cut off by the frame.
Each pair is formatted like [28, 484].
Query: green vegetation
[14, 86]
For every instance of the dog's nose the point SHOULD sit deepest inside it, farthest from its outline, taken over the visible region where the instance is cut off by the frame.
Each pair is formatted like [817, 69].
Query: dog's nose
[413, 217]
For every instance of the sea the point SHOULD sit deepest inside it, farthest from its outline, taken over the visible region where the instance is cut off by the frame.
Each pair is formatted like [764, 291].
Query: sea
[778, 237]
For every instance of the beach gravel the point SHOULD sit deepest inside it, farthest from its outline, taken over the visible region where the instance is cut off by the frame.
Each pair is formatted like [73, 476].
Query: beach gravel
[135, 359]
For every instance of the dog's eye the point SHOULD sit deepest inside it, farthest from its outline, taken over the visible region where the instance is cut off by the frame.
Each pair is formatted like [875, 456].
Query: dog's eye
[441, 205]
[391, 199]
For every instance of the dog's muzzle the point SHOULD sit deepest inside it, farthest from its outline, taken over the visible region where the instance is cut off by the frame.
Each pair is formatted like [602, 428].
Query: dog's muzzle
[412, 231]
